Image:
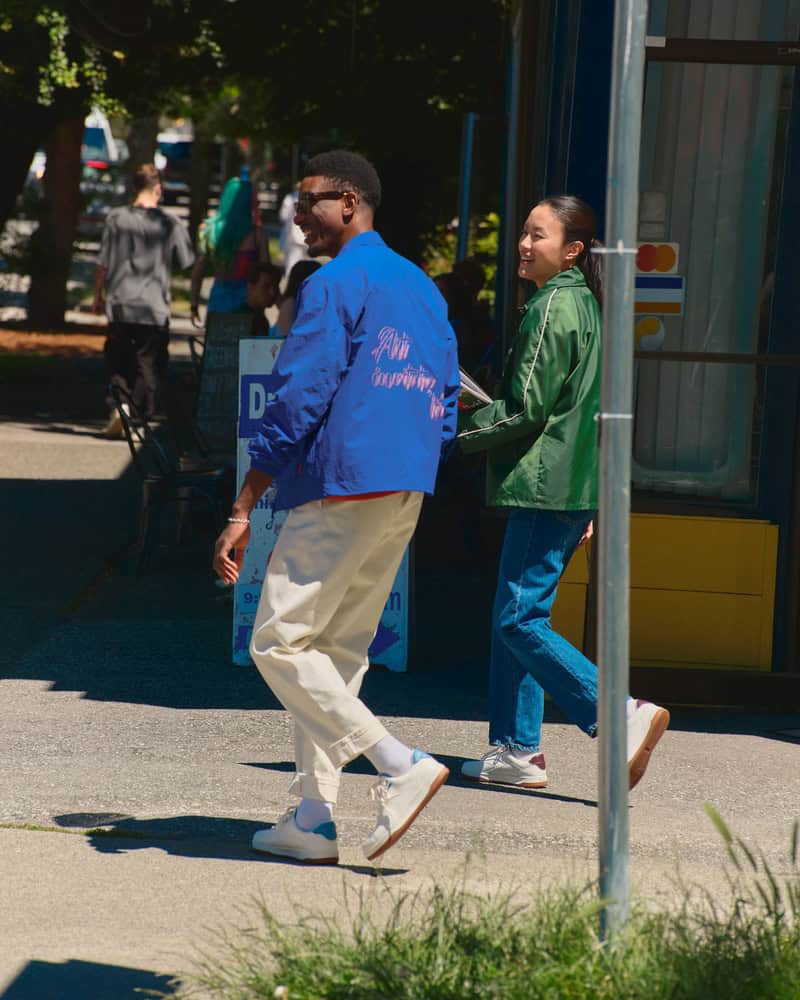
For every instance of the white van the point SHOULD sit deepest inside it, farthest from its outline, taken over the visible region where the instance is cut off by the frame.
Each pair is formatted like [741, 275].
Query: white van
[98, 142]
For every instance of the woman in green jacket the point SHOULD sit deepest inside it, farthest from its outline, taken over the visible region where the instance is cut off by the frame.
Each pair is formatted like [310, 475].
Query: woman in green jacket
[540, 436]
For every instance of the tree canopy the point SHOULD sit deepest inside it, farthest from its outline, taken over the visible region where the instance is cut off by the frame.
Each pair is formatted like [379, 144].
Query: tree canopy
[391, 80]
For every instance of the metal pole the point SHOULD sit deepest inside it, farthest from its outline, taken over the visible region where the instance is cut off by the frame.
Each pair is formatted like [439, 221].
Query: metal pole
[467, 142]
[622, 205]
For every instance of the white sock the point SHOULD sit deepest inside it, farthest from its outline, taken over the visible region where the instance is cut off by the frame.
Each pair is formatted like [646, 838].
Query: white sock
[390, 756]
[630, 706]
[311, 812]
[521, 755]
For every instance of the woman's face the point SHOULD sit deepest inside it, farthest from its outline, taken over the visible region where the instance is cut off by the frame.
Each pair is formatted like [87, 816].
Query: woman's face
[542, 251]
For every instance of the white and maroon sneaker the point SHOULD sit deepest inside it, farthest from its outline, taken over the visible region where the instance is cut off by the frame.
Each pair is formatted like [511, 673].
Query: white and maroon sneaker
[646, 725]
[501, 767]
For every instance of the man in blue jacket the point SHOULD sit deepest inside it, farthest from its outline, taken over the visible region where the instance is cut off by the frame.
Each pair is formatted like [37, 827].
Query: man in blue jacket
[367, 387]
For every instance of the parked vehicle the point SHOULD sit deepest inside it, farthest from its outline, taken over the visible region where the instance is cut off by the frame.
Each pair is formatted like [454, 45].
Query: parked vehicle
[99, 145]
[174, 160]
[99, 149]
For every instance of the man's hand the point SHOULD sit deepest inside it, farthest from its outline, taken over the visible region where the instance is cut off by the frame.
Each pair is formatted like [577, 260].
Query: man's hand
[587, 534]
[233, 539]
[98, 306]
[229, 551]
[196, 316]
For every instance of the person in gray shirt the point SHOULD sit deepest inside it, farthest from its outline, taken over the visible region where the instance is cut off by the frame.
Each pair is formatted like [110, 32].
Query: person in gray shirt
[132, 285]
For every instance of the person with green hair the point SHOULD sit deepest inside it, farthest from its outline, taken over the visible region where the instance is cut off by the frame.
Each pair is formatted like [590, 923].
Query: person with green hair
[230, 243]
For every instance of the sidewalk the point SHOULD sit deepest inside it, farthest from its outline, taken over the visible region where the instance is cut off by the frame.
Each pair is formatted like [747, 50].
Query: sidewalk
[120, 713]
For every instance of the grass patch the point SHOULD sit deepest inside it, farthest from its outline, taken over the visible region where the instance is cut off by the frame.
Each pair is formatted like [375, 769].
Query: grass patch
[455, 944]
[36, 828]
[99, 831]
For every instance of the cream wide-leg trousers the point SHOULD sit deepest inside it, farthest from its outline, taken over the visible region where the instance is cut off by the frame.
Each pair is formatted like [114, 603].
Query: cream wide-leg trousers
[328, 579]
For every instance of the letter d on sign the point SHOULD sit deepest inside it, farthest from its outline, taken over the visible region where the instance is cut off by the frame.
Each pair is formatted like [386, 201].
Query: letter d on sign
[257, 401]
[254, 394]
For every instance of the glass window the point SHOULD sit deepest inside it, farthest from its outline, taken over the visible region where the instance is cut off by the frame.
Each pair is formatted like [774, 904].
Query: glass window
[180, 150]
[744, 20]
[94, 146]
[711, 180]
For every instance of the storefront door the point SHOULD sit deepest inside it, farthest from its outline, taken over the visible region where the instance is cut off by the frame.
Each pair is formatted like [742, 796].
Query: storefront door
[716, 390]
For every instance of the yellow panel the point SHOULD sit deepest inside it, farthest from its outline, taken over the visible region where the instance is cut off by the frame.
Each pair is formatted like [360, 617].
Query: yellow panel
[680, 627]
[577, 570]
[768, 598]
[703, 592]
[710, 554]
[569, 611]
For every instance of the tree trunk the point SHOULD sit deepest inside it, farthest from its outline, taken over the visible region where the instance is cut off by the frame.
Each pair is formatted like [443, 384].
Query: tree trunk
[142, 140]
[199, 178]
[51, 244]
[23, 129]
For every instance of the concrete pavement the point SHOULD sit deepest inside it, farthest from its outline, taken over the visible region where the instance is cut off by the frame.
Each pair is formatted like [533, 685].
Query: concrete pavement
[121, 713]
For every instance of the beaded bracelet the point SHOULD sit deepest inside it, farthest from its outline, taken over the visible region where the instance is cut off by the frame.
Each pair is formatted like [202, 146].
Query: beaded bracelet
[238, 520]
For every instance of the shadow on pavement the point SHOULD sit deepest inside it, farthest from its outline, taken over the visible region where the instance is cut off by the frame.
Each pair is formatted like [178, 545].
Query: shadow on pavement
[87, 980]
[362, 766]
[73, 615]
[219, 837]
[215, 837]
[371, 871]
[781, 726]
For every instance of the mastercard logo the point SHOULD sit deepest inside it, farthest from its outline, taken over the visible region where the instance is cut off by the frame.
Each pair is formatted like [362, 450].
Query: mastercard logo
[661, 258]
[649, 334]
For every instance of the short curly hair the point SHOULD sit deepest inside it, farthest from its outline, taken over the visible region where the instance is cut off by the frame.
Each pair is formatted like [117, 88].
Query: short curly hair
[348, 169]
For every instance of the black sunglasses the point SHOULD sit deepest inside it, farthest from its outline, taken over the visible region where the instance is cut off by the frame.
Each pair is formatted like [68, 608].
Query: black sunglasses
[307, 199]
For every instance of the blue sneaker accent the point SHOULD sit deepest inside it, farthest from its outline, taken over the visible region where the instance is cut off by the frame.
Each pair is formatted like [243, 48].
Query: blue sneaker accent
[416, 757]
[326, 830]
[287, 840]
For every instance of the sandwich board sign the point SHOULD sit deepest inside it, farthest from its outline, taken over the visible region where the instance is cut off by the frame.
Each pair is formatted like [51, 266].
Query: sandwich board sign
[257, 356]
[216, 398]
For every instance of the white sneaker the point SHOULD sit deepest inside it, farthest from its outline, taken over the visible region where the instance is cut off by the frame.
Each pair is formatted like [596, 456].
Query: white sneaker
[500, 767]
[287, 840]
[402, 800]
[646, 725]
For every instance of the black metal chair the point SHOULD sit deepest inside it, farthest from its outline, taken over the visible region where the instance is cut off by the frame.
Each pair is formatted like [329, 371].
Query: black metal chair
[196, 348]
[168, 478]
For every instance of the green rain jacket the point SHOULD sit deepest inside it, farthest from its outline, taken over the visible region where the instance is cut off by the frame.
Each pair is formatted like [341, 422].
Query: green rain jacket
[541, 434]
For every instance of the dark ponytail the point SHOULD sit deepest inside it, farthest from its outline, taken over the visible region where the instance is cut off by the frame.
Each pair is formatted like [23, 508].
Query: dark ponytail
[580, 223]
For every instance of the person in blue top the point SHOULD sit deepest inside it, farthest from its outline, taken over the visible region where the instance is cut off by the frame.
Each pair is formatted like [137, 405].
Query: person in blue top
[366, 388]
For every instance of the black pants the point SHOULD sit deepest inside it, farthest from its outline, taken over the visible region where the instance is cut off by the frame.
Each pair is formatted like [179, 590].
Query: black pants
[136, 356]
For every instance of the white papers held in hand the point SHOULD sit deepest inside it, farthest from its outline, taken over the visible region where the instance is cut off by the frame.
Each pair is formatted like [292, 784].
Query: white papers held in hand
[471, 393]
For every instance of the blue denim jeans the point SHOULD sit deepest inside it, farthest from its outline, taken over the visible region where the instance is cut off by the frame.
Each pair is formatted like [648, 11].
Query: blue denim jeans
[528, 657]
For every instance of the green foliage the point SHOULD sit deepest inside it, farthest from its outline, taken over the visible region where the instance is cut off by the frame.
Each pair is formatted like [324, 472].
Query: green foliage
[453, 944]
[39, 44]
[174, 48]
[60, 70]
[390, 80]
[484, 249]
[439, 251]
[756, 883]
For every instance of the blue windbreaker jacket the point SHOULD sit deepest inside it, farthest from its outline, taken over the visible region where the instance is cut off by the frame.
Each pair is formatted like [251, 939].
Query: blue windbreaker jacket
[366, 384]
